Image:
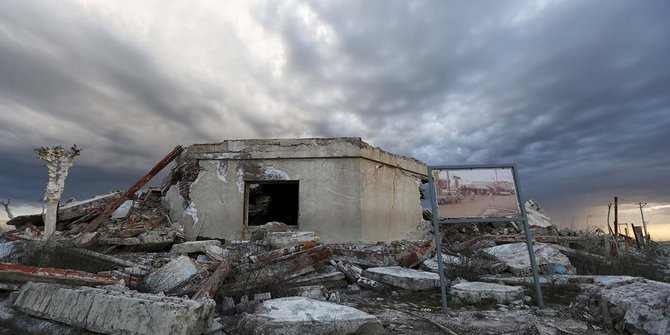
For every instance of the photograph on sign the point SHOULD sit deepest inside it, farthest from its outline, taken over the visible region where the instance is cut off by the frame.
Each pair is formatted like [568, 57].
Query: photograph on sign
[476, 193]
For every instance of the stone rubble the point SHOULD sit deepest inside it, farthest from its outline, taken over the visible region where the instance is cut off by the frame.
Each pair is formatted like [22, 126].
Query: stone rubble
[477, 292]
[299, 285]
[299, 316]
[408, 279]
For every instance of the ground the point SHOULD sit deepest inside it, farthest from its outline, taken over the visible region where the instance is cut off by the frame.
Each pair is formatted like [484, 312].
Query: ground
[405, 313]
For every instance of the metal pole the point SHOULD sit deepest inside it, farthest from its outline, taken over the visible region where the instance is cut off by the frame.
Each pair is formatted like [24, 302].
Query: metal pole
[644, 224]
[438, 241]
[529, 244]
[609, 209]
[616, 216]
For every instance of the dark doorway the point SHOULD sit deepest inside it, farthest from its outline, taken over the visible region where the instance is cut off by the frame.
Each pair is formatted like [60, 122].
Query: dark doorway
[272, 201]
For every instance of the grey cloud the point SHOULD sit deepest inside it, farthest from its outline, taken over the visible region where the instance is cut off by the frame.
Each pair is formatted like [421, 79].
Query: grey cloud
[574, 93]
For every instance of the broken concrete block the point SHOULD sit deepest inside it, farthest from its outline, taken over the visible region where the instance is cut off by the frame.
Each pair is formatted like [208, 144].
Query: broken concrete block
[277, 253]
[154, 238]
[317, 292]
[352, 272]
[547, 256]
[260, 297]
[328, 277]
[475, 292]
[298, 315]
[216, 253]
[279, 269]
[537, 217]
[408, 279]
[172, 275]
[123, 210]
[289, 238]
[261, 232]
[369, 284]
[193, 246]
[114, 311]
[403, 253]
[640, 307]
[432, 266]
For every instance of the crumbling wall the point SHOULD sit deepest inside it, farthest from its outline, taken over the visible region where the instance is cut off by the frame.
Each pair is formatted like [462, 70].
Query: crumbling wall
[343, 194]
[329, 202]
[390, 204]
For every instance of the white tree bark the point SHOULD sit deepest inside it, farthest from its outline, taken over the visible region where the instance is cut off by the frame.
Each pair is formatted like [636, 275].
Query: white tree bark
[6, 206]
[58, 162]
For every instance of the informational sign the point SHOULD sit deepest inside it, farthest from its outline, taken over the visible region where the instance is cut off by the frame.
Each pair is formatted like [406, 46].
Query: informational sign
[476, 192]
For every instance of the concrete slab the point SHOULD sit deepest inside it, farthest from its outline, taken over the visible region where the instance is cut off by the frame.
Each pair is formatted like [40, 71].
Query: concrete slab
[608, 281]
[113, 311]
[298, 315]
[432, 266]
[475, 292]
[408, 279]
[193, 246]
[287, 238]
[548, 257]
[123, 210]
[172, 275]
[641, 307]
[328, 277]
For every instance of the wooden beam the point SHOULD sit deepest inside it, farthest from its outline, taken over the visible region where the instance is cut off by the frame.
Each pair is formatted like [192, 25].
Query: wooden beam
[17, 273]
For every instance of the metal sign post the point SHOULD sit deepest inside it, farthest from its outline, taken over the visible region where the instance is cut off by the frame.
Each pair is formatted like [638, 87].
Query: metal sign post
[499, 215]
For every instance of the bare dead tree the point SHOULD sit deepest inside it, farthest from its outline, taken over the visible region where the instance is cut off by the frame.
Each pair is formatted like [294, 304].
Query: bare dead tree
[6, 205]
[58, 162]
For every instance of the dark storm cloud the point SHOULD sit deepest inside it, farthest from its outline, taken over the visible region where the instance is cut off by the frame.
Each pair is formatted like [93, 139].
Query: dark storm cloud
[64, 78]
[574, 92]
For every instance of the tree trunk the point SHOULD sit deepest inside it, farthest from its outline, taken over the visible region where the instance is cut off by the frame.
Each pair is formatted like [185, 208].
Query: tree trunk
[50, 218]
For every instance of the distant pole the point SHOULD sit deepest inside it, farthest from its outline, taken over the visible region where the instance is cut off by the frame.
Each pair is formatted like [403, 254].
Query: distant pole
[644, 223]
[609, 209]
[616, 216]
[587, 221]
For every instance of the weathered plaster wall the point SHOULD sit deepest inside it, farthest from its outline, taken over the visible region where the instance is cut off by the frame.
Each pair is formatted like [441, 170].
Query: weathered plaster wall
[329, 201]
[390, 207]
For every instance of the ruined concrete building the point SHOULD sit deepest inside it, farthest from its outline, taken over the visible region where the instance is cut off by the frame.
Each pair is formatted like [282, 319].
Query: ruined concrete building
[341, 188]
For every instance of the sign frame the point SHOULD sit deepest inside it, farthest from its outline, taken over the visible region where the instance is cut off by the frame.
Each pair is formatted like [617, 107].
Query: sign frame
[437, 222]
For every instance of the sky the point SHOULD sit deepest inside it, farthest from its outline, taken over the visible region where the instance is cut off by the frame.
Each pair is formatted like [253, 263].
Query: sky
[574, 92]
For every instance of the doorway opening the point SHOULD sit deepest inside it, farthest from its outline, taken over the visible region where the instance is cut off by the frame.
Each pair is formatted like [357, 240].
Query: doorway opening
[271, 201]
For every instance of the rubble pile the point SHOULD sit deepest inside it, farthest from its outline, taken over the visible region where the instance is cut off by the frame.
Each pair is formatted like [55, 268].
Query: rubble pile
[135, 265]
[116, 264]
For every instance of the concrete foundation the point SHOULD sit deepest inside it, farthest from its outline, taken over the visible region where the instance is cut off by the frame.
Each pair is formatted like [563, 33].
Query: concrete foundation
[347, 190]
[298, 315]
[404, 278]
[113, 311]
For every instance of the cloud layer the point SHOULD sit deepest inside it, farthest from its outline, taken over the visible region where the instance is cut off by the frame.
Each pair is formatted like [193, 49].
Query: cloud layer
[574, 92]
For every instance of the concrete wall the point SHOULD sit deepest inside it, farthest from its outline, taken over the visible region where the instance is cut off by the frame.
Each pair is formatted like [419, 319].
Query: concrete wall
[390, 207]
[348, 189]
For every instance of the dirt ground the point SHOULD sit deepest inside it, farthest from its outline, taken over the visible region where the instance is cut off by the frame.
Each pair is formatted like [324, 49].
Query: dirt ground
[407, 312]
